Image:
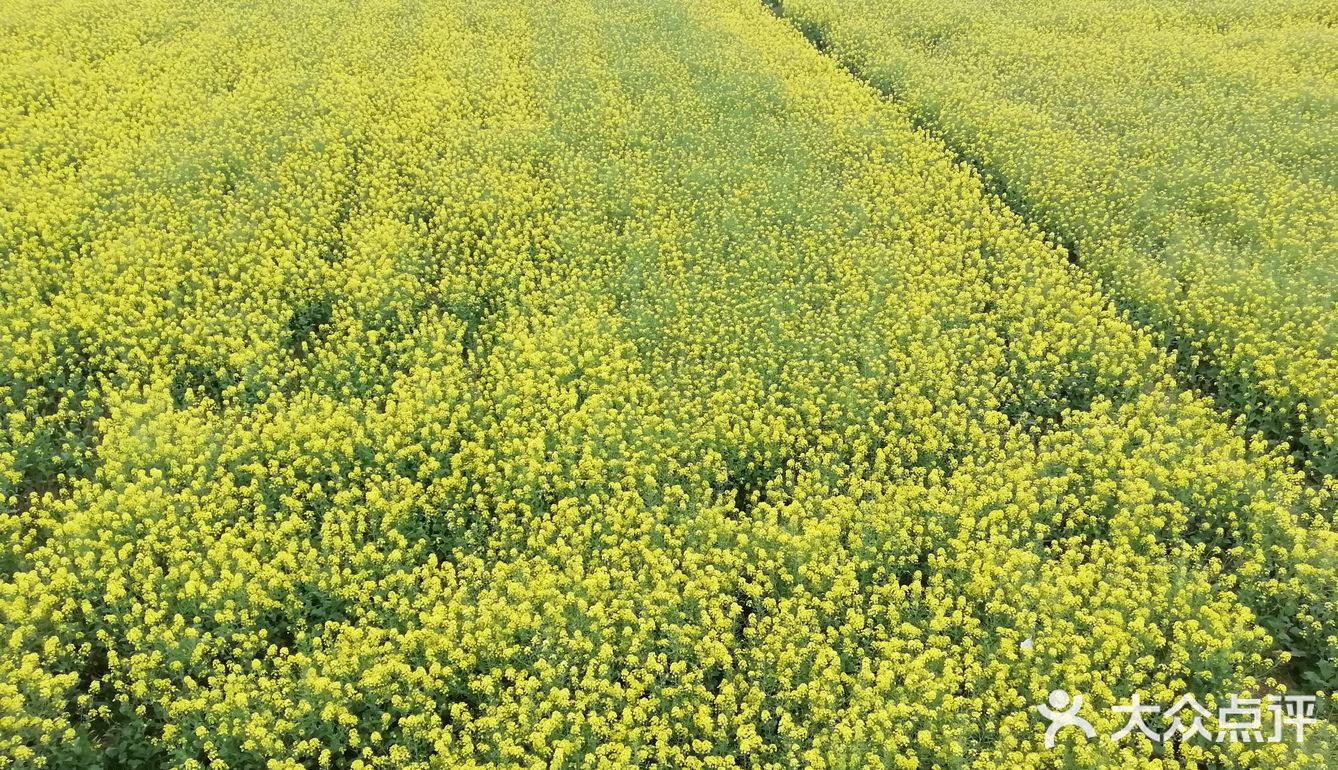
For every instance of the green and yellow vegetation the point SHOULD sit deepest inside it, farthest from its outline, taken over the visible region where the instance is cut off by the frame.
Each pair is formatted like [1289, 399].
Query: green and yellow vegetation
[582, 384]
[1182, 149]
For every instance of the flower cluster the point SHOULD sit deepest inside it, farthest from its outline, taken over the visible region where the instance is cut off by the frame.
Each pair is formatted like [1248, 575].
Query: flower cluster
[507, 383]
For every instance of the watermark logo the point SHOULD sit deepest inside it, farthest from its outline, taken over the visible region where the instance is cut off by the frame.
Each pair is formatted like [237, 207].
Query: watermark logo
[1062, 713]
[1241, 721]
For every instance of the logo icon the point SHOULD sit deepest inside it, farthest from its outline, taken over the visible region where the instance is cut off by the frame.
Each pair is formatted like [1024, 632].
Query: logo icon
[1063, 712]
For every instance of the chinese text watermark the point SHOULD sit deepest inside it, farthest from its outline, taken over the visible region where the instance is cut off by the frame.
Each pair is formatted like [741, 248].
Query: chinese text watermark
[1271, 719]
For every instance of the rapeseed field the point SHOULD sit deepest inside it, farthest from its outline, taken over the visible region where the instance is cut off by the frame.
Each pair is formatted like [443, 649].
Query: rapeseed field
[1183, 150]
[415, 384]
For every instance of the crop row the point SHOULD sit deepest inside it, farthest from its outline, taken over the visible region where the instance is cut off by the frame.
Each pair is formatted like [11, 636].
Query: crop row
[1182, 151]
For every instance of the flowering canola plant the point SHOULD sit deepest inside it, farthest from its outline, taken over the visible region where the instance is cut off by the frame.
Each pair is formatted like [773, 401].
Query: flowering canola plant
[583, 384]
[1182, 149]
